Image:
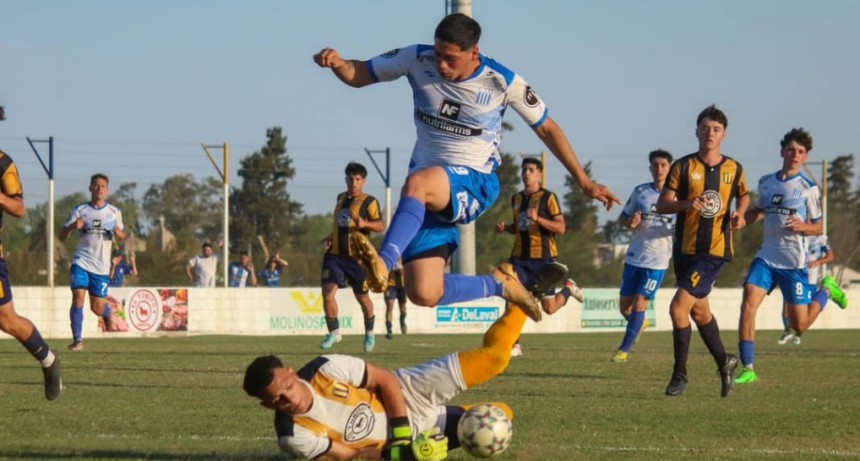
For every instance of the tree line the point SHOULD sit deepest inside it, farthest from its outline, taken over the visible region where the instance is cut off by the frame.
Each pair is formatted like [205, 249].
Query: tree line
[171, 220]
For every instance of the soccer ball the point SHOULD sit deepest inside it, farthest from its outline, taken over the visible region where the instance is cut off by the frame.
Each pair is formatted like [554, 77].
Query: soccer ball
[485, 430]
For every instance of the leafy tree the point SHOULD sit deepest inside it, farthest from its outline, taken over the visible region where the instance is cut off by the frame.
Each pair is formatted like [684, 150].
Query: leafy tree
[490, 247]
[581, 210]
[261, 206]
[192, 210]
[842, 218]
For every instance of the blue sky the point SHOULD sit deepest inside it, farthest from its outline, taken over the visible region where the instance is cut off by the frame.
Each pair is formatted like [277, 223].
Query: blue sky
[132, 88]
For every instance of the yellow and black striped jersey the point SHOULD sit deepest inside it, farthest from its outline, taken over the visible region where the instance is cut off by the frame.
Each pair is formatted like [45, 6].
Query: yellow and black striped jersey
[345, 213]
[530, 239]
[10, 184]
[706, 231]
[343, 410]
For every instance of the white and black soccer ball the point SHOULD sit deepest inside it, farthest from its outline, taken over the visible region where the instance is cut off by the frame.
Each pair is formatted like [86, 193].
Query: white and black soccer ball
[485, 431]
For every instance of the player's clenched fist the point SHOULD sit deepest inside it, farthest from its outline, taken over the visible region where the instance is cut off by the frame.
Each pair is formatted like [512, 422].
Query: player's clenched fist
[328, 57]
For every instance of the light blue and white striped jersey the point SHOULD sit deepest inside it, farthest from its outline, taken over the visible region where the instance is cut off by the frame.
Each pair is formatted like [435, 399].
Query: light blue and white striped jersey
[458, 122]
[96, 237]
[651, 245]
[819, 246]
[780, 199]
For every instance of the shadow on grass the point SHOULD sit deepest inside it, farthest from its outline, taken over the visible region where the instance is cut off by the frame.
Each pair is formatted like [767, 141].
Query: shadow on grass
[117, 454]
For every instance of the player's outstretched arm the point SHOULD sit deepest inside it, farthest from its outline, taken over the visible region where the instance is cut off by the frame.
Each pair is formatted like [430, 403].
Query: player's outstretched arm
[352, 72]
[556, 141]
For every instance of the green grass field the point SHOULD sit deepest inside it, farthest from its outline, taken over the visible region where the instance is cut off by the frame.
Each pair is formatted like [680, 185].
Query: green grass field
[181, 398]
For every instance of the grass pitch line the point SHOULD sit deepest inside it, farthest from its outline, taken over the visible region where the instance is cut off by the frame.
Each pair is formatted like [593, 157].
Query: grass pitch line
[748, 451]
[225, 438]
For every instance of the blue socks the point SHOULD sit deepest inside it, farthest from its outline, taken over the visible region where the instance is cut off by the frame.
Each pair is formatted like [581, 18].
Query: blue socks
[460, 288]
[404, 226]
[634, 324]
[36, 345]
[747, 350]
[76, 314]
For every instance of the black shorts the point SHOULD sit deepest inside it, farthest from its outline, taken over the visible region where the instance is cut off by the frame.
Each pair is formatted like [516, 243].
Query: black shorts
[697, 273]
[343, 270]
[5, 284]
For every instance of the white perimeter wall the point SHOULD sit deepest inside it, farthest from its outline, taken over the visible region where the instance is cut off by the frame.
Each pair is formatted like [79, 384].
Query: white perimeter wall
[298, 311]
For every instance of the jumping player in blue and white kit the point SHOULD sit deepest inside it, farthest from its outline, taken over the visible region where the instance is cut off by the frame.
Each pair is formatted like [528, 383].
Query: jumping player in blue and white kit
[97, 222]
[649, 252]
[789, 202]
[460, 97]
[820, 253]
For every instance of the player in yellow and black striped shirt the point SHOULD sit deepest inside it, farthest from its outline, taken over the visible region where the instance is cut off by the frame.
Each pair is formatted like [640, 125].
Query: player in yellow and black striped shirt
[700, 190]
[537, 219]
[22, 329]
[354, 212]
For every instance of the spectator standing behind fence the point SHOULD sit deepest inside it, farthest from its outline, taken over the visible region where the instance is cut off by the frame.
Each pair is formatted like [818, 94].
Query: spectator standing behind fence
[97, 222]
[271, 275]
[201, 269]
[241, 272]
[119, 268]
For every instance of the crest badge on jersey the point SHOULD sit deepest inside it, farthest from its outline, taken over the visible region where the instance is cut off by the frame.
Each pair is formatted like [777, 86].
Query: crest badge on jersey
[713, 204]
[484, 97]
[530, 97]
[390, 54]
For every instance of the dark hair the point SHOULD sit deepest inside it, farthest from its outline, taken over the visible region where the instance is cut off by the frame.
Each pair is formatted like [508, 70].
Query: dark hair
[355, 168]
[259, 374]
[659, 153]
[460, 30]
[711, 112]
[533, 161]
[207, 244]
[115, 253]
[798, 135]
[99, 176]
[243, 253]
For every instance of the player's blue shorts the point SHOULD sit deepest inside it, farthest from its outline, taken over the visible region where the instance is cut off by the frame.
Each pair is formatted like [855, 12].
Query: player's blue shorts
[793, 283]
[396, 293]
[525, 267]
[343, 271]
[641, 281]
[95, 284]
[472, 193]
[5, 284]
[697, 273]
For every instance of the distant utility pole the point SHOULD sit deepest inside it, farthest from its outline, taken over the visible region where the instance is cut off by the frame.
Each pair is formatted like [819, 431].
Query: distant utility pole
[464, 262]
[225, 177]
[49, 170]
[386, 178]
[823, 186]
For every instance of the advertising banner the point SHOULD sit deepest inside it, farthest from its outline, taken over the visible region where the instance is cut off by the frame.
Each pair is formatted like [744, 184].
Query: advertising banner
[601, 310]
[147, 310]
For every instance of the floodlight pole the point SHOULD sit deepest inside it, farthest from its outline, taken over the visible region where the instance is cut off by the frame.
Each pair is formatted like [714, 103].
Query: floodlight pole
[386, 178]
[823, 186]
[464, 262]
[49, 170]
[225, 178]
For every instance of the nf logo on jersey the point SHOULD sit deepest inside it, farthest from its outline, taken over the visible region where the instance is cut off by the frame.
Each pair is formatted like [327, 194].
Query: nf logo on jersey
[97, 223]
[449, 110]
[530, 97]
[776, 200]
[390, 54]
